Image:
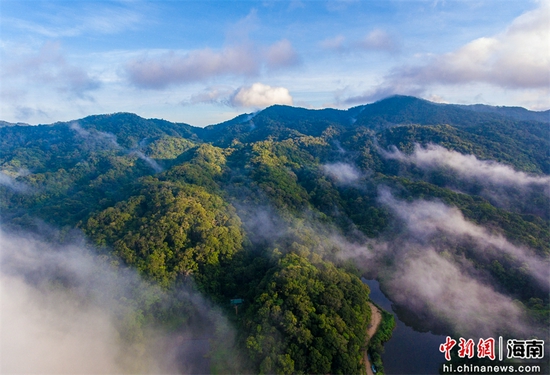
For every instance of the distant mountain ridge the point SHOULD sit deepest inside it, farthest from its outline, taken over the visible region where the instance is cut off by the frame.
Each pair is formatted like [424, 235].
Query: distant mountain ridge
[398, 110]
[391, 111]
[519, 113]
[407, 110]
[522, 130]
[5, 123]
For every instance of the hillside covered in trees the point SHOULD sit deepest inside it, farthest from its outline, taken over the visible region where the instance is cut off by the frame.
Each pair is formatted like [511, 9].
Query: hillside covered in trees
[285, 209]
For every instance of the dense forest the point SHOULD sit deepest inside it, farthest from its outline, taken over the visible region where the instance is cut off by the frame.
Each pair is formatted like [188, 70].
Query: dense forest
[285, 209]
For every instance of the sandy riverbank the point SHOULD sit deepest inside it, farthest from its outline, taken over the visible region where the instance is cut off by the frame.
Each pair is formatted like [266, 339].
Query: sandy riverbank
[376, 318]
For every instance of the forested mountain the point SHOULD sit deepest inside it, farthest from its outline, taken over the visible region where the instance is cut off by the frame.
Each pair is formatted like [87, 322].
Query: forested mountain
[286, 208]
[517, 113]
[5, 123]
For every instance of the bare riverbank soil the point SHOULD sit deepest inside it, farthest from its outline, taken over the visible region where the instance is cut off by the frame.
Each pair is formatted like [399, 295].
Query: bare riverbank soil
[376, 318]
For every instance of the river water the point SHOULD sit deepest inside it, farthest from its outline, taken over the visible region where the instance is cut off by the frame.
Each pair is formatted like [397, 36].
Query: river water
[408, 351]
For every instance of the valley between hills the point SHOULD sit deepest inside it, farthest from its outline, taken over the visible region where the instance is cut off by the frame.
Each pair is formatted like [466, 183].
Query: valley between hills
[240, 247]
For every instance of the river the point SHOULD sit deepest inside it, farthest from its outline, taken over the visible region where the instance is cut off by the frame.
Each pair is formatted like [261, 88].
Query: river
[408, 351]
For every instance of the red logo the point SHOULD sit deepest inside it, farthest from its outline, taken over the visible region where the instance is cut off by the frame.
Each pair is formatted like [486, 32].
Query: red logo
[446, 347]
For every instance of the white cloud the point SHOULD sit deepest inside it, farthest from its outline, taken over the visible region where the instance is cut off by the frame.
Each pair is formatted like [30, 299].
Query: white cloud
[49, 66]
[65, 310]
[423, 273]
[215, 95]
[260, 95]
[257, 95]
[424, 219]
[382, 92]
[467, 166]
[343, 173]
[518, 58]
[152, 163]
[244, 60]
[197, 65]
[427, 280]
[12, 184]
[60, 311]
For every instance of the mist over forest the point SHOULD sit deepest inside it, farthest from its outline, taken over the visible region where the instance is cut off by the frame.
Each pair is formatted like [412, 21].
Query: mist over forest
[124, 240]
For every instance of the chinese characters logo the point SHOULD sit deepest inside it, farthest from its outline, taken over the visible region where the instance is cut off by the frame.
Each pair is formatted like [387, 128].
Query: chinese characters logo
[518, 349]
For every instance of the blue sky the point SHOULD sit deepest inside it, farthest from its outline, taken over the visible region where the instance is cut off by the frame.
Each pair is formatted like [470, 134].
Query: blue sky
[206, 62]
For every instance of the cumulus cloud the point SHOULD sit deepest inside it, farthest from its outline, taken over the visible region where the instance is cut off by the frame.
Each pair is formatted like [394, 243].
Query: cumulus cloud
[243, 60]
[257, 95]
[467, 166]
[516, 58]
[66, 311]
[342, 173]
[49, 66]
[260, 95]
